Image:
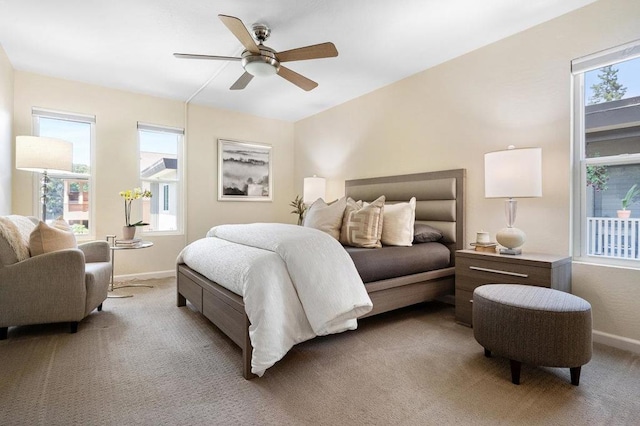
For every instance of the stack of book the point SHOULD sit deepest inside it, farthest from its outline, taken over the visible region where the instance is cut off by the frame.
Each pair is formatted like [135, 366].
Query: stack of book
[128, 243]
[485, 247]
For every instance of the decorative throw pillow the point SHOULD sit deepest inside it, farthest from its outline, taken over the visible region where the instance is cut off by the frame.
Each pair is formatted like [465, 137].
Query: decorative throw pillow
[398, 223]
[15, 231]
[362, 225]
[425, 234]
[326, 217]
[45, 238]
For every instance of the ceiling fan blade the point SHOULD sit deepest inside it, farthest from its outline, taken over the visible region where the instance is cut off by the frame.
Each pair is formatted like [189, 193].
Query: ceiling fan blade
[322, 50]
[242, 82]
[238, 29]
[217, 58]
[297, 79]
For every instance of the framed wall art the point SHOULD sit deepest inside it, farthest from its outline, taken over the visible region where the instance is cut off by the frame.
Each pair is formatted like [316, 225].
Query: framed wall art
[244, 171]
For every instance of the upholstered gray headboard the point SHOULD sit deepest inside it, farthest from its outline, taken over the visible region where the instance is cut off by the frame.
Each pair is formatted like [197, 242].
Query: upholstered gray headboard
[439, 198]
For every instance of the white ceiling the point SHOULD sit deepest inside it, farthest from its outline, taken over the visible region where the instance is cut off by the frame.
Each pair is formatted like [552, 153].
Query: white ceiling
[128, 44]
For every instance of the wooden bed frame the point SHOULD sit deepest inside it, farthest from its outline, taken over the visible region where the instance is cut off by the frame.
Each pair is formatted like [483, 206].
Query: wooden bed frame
[440, 203]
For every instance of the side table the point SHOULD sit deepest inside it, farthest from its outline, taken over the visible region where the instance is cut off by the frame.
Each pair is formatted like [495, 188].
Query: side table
[114, 248]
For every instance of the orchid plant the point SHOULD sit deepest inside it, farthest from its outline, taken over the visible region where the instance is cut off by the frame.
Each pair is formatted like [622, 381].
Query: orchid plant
[129, 195]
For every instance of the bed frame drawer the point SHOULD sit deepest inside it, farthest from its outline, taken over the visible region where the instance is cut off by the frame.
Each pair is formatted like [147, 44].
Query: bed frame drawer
[225, 316]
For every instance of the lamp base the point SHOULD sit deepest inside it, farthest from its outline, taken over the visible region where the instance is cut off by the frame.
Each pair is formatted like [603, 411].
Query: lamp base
[509, 251]
[510, 238]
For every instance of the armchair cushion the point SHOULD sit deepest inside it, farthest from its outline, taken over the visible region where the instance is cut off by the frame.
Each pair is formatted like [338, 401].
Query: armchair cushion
[45, 238]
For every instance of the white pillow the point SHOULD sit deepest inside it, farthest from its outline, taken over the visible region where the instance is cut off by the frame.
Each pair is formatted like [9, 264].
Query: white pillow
[46, 239]
[399, 219]
[326, 217]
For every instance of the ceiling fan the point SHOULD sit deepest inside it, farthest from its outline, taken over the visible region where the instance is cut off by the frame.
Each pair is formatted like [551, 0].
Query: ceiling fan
[260, 60]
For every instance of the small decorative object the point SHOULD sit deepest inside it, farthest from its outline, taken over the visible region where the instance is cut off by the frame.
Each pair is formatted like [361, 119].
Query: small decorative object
[482, 237]
[483, 243]
[486, 248]
[129, 230]
[630, 198]
[299, 208]
[244, 171]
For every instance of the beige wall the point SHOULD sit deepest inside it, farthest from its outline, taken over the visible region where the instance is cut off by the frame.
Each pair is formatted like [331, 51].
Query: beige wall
[6, 118]
[117, 113]
[205, 126]
[515, 91]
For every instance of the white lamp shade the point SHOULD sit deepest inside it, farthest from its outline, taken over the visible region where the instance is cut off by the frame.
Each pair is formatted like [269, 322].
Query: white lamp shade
[38, 154]
[314, 188]
[513, 173]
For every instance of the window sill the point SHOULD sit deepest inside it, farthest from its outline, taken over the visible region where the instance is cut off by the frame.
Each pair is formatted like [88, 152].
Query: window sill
[608, 262]
[161, 233]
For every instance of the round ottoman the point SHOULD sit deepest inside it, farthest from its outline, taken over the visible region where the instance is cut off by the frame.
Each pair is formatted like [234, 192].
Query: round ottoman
[533, 325]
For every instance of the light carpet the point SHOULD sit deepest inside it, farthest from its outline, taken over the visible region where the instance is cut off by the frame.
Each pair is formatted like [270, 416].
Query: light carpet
[142, 360]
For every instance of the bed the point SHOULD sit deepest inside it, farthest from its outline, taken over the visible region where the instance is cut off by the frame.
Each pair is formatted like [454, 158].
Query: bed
[439, 203]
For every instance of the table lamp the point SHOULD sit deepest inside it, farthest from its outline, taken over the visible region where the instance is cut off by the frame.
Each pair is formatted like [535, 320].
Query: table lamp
[314, 188]
[512, 173]
[43, 155]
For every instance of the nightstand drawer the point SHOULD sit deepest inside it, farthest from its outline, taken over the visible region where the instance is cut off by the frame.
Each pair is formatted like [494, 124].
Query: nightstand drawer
[472, 273]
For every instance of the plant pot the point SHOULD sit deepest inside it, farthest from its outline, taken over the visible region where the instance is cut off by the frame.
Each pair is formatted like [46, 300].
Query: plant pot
[624, 214]
[128, 232]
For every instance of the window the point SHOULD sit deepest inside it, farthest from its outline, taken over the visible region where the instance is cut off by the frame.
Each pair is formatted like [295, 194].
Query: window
[606, 117]
[70, 195]
[160, 158]
[165, 205]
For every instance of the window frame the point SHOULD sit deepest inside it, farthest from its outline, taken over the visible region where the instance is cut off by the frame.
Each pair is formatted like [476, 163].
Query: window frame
[579, 67]
[179, 181]
[36, 114]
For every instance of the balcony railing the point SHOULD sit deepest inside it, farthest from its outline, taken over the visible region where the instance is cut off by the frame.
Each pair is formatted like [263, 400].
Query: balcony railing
[611, 237]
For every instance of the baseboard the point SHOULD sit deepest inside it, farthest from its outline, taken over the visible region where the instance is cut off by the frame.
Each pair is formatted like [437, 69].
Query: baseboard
[616, 341]
[146, 275]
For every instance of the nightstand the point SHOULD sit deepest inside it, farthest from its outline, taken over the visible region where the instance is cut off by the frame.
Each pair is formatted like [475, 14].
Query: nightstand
[474, 268]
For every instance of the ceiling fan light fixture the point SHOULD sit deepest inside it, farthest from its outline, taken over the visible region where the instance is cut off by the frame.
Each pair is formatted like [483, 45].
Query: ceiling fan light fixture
[262, 61]
[260, 66]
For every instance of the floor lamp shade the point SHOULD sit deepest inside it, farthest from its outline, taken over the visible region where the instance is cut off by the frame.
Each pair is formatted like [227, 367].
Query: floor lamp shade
[513, 173]
[43, 155]
[314, 188]
[37, 154]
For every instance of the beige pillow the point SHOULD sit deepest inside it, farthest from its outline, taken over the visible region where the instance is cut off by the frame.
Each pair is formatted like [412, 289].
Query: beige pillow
[398, 223]
[326, 217]
[45, 238]
[362, 225]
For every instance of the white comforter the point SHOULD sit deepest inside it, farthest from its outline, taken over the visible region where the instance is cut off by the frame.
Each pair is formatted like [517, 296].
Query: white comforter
[296, 283]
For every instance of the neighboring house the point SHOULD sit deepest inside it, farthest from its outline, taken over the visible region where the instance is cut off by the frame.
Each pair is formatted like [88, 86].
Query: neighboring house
[613, 128]
[160, 211]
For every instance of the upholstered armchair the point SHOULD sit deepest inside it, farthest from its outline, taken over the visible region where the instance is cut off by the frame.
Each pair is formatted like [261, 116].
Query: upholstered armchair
[49, 284]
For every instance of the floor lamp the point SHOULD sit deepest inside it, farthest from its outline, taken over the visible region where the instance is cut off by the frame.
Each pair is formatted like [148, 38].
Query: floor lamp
[43, 155]
[513, 173]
